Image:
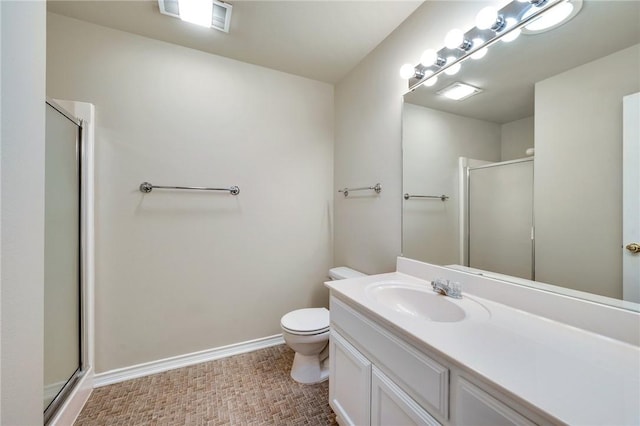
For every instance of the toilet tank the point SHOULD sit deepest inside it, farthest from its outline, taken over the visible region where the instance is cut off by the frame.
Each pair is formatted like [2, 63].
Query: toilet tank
[343, 273]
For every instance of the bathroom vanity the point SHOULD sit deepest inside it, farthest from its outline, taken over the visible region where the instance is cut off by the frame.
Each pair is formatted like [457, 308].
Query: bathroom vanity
[402, 354]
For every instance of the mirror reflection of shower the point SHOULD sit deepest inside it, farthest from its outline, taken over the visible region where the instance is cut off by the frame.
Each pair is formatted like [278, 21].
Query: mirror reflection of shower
[62, 291]
[498, 209]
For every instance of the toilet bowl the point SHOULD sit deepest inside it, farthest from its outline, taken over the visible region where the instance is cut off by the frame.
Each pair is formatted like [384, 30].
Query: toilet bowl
[306, 332]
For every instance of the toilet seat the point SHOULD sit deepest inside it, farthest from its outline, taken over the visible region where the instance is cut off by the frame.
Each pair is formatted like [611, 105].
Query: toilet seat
[308, 321]
[306, 333]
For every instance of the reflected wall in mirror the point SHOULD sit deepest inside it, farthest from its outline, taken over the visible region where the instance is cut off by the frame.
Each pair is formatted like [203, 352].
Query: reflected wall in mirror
[555, 216]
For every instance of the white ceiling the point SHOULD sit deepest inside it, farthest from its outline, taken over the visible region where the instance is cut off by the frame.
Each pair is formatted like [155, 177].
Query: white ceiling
[321, 40]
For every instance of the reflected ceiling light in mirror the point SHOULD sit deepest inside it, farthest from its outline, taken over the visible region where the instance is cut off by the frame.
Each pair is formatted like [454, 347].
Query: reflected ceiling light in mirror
[480, 53]
[459, 91]
[559, 15]
[430, 81]
[513, 34]
[452, 69]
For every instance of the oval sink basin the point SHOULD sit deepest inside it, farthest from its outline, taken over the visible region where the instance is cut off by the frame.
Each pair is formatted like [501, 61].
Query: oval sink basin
[422, 302]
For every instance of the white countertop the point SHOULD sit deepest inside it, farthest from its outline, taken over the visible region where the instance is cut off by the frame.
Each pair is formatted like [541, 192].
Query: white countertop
[575, 376]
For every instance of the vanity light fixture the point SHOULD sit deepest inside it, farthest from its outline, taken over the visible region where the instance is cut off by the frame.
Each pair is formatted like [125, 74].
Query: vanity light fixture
[556, 17]
[459, 91]
[488, 18]
[480, 53]
[453, 69]
[430, 81]
[206, 13]
[491, 26]
[511, 35]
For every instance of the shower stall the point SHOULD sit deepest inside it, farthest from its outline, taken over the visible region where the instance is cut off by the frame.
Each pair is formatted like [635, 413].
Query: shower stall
[499, 218]
[64, 365]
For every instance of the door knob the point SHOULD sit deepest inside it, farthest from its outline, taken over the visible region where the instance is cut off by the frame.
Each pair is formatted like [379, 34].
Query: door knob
[633, 247]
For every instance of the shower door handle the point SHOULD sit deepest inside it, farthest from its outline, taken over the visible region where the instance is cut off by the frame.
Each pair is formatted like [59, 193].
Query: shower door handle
[633, 247]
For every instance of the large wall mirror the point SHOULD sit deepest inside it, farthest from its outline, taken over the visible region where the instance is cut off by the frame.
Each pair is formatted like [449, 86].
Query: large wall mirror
[524, 179]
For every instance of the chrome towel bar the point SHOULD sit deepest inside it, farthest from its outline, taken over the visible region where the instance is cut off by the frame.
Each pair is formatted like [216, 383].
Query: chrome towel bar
[377, 187]
[441, 197]
[146, 187]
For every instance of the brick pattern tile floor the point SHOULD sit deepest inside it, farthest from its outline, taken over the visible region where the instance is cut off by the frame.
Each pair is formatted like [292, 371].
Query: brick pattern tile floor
[248, 389]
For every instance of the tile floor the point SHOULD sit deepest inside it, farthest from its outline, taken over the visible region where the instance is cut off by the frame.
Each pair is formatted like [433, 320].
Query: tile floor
[249, 389]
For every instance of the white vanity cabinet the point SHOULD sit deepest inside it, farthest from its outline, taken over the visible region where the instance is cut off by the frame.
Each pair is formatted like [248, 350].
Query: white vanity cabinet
[390, 405]
[349, 383]
[378, 378]
[474, 406]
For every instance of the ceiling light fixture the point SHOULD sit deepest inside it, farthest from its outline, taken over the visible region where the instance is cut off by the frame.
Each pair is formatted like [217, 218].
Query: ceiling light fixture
[206, 13]
[459, 91]
[196, 11]
[491, 26]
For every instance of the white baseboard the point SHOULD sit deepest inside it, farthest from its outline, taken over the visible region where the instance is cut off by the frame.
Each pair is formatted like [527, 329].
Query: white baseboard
[161, 365]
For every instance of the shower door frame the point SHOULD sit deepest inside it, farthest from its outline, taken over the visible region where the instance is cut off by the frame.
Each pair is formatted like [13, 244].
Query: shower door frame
[54, 407]
[466, 214]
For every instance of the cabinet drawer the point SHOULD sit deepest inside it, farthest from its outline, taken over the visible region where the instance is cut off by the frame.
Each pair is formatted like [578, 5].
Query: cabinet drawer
[421, 377]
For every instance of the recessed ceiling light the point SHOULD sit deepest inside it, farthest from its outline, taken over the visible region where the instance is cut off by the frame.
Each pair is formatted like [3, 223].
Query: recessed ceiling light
[207, 13]
[459, 91]
[553, 18]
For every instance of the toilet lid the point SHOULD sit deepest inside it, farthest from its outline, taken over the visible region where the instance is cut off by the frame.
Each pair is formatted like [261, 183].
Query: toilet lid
[306, 320]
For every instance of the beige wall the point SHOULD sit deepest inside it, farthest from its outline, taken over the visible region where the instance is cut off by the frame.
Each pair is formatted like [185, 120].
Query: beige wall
[179, 272]
[432, 141]
[517, 137]
[368, 108]
[578, 196]
[22, 31]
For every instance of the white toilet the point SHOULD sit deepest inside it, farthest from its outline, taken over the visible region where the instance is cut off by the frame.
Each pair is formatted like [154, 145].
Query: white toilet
[306, 331]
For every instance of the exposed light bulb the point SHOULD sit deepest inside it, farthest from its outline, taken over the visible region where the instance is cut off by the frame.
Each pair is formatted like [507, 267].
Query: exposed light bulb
[480, 53]
[407, 71]
[454, 38]
[513, 34]
[454, 68]
[430, 82]
[197, 12]
[429, 57]
[486, 18]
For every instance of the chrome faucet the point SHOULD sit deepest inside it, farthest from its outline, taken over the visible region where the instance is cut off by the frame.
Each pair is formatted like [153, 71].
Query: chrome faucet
[447, 288]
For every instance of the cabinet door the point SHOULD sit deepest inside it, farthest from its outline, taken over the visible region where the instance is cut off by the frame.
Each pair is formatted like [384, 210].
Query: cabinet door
[349, 382]
[476, 407]
[390, 405]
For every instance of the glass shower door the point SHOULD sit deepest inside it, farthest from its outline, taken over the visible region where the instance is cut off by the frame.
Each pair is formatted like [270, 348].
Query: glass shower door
[500, 217]
[62, 295]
